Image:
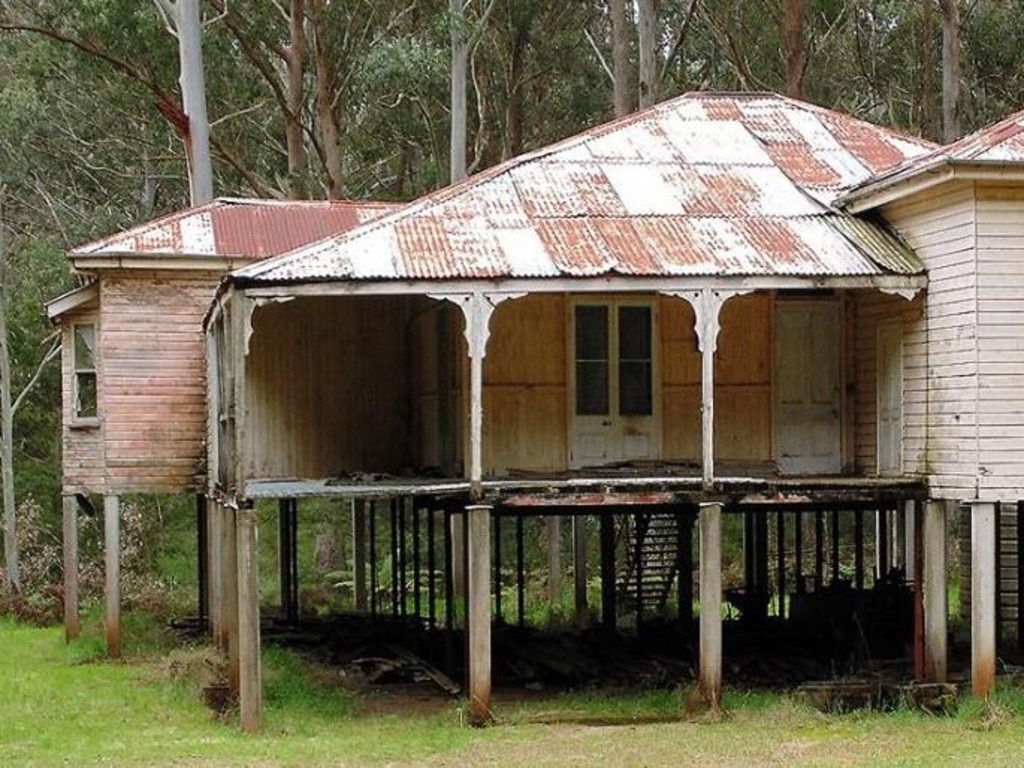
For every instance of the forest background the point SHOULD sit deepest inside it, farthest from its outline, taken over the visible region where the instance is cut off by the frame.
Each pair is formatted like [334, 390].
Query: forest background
[352, 99]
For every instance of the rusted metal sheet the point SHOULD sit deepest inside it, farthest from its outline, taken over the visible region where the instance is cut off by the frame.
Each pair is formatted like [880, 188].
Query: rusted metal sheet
[229, 227]
[705, 184]
[1001, 143]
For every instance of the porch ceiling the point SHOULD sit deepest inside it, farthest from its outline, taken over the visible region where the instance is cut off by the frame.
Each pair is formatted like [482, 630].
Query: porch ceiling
[730, 185]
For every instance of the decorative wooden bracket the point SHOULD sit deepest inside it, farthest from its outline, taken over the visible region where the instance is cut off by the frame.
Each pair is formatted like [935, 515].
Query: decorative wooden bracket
[906, 293]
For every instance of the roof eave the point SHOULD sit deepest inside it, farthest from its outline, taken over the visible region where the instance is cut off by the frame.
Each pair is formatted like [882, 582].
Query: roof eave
[158, 261]
[67, 302]
[890, 282]
[901, 186]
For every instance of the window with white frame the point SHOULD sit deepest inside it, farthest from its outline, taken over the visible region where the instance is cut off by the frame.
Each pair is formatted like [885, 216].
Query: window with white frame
[83, 339]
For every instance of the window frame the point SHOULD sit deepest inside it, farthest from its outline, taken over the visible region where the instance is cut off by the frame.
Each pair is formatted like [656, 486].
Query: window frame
[78, 418]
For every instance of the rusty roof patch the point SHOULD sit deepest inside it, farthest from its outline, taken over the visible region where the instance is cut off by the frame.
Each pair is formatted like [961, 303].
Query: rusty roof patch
[705, 184]
[237, 228]
[999, 144]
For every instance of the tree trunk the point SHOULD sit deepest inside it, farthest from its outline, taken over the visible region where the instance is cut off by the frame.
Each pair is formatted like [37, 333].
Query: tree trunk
[620, 58]
[187, 22]
[514, 111]
[327, 120]
[7, 420]
[950, 70]
[460, 64]
[647, 33]
[929, 119]
[794, 21]
[294, 139]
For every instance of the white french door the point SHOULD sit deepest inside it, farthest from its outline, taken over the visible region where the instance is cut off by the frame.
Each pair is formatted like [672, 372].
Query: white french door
[613, 380]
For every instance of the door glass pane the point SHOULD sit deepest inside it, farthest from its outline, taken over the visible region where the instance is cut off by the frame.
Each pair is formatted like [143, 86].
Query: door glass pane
[591, 326]
[635, 366]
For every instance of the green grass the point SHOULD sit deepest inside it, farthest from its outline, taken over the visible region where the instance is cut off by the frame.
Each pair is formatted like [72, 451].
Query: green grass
[65, 705]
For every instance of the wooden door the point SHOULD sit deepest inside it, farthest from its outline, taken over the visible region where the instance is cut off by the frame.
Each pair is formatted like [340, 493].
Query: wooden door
[890, 399]
[613, 382]
[808, 351]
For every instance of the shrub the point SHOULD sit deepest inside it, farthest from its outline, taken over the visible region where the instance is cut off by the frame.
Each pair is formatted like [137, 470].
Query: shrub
[40, 596]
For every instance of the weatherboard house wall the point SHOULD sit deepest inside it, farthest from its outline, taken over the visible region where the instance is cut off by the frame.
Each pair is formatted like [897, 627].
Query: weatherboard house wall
[961, 208]
[146, 292]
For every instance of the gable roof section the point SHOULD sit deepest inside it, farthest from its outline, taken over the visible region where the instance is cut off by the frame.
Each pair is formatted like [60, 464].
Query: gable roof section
[237, 228]
[704, 184]
[999, 145]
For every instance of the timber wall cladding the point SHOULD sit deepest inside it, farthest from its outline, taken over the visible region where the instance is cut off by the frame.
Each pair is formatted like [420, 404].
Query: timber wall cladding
[82, 463]
[327, 386]
[870, 309]
[1000, 290]
[940, 225]
[743, 394]
[524, 392]
[154, 380]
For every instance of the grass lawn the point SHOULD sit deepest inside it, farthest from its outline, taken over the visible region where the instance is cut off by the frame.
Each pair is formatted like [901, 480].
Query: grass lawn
[62, 705]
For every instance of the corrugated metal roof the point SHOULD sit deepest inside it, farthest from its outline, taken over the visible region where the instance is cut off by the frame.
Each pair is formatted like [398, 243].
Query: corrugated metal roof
[705, 184]
[237, 227]
[1001, 143]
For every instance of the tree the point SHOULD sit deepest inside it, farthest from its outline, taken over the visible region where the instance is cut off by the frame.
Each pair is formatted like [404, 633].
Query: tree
[183, 21]
[647, 39]
[950, 70]
[796, 50]
[9, 403]
[620, 58]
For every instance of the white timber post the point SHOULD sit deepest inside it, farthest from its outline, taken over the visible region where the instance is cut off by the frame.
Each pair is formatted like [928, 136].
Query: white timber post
[710, 673]
[112, 573]
[707, 305]
[250, 685]
[478, 521]
[983, 598]
[70, 512]
[934, 585]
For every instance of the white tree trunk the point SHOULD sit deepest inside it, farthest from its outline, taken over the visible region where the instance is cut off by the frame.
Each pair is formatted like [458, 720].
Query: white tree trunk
[185, 18]
[7, 420]
[460, 65]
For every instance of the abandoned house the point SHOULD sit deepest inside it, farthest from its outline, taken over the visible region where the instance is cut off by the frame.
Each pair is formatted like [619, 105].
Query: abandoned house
[727, 304]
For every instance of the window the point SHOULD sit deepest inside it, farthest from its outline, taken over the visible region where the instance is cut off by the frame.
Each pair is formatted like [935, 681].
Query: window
[84, 362]
[591, 360]
[614, 360]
